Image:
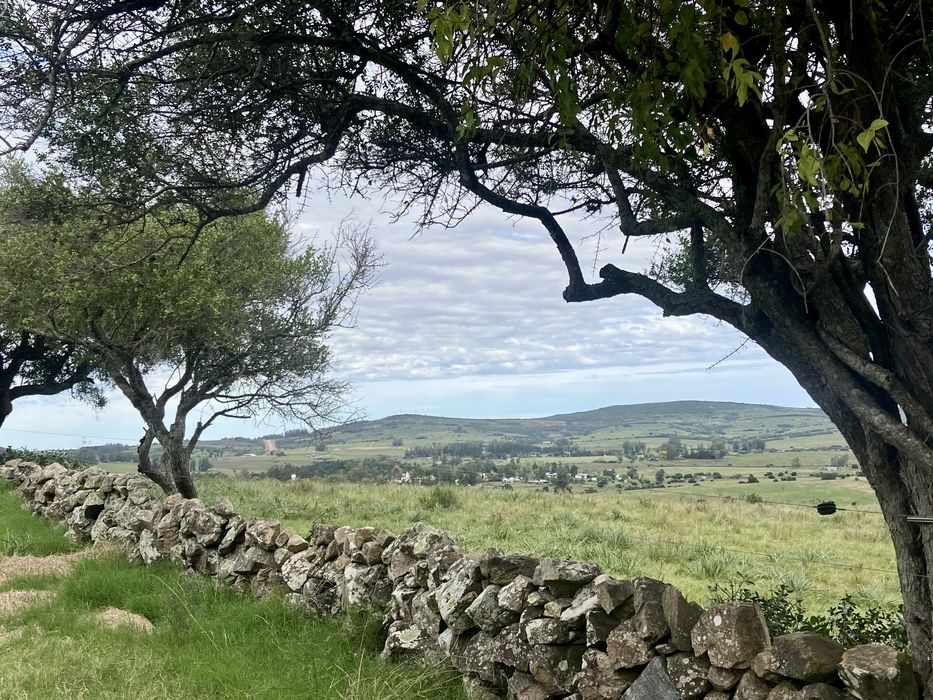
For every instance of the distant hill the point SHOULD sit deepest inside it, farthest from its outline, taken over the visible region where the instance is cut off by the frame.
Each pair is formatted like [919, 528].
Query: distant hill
[693, 420]
[606, 427]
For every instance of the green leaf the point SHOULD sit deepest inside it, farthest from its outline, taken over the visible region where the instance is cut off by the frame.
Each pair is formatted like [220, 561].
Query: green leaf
[878, 125]
[740, 18]
[864, 139]
[729, 43]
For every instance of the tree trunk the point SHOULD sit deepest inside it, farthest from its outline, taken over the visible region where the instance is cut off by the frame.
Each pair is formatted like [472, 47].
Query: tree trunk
[159, 475]
[175, 459]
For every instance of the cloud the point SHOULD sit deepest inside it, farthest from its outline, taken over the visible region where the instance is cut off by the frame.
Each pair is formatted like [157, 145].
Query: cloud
[470, 322]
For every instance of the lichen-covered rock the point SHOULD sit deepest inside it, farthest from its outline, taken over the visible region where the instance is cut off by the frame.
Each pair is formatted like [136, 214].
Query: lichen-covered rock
[626, 648]
[564, 578]
[148, 547]
[295, 571]
[263, 533]
[235, 535]
[453, 599]
[523, 686]
[820, 691]
[205, 525]
[501, 568]
[584, 602]
[612, 593]
[732, 634]
[878, 672]
[555, 666]
[487, 614]
[599, 625]
[723, 678]
[653, 683]
[650, 622]
[252, 561]
[681, 617]
[514, 595]
[598, 680]
[549, 630]
[751, 687]
[689, 675]
[805, 656]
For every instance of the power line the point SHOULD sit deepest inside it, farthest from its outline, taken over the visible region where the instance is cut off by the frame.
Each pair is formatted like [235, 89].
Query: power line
[47, 432]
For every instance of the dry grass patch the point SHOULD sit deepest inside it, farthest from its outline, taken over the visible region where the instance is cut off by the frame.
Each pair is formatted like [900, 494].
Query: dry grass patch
[14, 601]
[115, 618]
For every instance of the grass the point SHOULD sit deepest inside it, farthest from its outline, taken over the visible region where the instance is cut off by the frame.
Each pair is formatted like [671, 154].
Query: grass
[673, 534]
[208, 641]
[22, 532]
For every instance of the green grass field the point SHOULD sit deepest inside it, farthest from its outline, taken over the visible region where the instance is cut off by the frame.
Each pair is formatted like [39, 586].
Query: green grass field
[674, 534]
[208, 642]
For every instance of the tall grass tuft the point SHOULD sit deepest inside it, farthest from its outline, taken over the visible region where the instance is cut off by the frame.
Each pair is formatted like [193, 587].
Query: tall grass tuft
[439, 498]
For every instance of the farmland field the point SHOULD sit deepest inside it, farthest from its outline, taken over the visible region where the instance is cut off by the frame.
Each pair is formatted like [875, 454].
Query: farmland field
[700, 529]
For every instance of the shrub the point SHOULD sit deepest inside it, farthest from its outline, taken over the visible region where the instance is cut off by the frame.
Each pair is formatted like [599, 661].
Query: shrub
[848, 623]
[439, 498]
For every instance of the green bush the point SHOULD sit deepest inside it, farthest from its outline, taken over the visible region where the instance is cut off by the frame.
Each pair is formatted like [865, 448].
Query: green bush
[41, 457]
[848, 623]
[439, 498]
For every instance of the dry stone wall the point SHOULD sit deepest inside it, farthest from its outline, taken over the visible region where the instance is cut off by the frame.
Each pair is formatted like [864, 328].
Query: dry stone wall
[516, 626]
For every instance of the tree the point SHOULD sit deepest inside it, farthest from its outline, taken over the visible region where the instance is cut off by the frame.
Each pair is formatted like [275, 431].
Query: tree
[230, 324]
[779, 153]
[33, 365]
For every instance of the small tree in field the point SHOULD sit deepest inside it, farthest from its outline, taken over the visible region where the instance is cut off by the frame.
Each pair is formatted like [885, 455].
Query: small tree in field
[231, 323]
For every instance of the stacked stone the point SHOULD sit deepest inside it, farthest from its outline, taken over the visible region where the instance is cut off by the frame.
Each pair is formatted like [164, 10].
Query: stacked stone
[516, 626]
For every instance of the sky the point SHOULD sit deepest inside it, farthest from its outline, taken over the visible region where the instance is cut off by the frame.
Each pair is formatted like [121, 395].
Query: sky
[470, 323]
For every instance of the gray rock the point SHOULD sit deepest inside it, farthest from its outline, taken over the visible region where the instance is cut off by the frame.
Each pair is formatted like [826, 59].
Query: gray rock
[501, 569]
[236, 533]
[731, 633]
[523, 686]
[564, 577]
[555, 608]
[878, 672]
[554, 667]
[612, 593]
[487, 614]
[296, 543]
[252, 561]
[224, 507]
[263, 533]
[650, 623]
[681, 617]
[751, 687]
[653, 684]
[371, 553]
[783, 691]
[805, 656]
[548, 630]
[820, 691]
[688, 674]
[149, 550]
[626, 648]
[599, 625]
[322, 535]
[296, 571]
[723, 678]
[453, 599]
[205, 525]
[598, 680]
[514, 595]
[581, 606]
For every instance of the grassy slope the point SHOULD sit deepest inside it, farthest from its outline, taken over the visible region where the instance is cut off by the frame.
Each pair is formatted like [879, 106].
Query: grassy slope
[208, 641]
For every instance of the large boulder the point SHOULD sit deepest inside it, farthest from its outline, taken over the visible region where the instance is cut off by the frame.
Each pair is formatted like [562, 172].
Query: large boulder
[878, 672]
[805, 656]
[732, 634]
